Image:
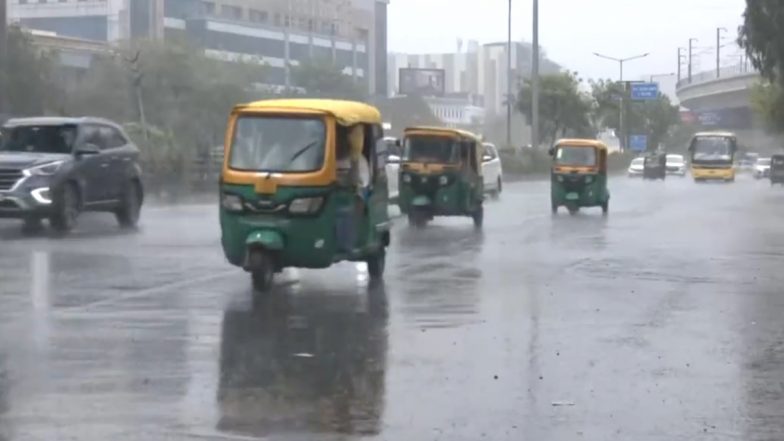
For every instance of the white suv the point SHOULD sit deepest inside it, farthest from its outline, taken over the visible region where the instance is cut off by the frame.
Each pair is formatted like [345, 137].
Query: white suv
[491, 170]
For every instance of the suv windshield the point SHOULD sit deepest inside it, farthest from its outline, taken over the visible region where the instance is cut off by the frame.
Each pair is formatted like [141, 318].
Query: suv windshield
[278, 144]
[576, 156]
[435, 149]
[39, 139]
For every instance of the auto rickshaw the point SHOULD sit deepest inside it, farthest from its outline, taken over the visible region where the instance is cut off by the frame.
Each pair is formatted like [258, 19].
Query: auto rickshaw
[776, 169]
[579, 175]
[302, 185]
[655, 166]
[441, 175]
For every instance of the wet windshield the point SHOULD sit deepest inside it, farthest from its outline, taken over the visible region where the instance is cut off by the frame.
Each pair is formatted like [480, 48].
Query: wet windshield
[763, 161]
[431, 149]
[576, 156]
[278, 144]
[713, 148]
[38, 139]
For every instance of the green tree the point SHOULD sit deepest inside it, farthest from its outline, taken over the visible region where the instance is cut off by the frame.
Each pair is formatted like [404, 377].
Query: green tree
[762, 36]
[26, 77]
[322, 78]
[655, 118]
[563, 108]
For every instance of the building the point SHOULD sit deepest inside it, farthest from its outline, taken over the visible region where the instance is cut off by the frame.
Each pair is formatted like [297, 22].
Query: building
[480, 70]
[458, 111]
[279, 33]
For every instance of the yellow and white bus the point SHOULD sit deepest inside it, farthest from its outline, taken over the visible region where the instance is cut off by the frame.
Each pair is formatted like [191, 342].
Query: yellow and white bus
[712, 156]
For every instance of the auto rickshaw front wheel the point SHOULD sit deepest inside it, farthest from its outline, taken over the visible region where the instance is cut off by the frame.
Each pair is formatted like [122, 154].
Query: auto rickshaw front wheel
[262, 270]
[376, 264]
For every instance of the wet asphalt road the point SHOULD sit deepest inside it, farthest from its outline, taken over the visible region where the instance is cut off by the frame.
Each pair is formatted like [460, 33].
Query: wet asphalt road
[663, 321]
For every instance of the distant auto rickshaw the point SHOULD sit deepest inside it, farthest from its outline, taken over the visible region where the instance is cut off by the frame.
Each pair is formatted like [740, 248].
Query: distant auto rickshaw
[777, 169]
[579, 175]
[303, 186]
[655, 166]
[441, 175]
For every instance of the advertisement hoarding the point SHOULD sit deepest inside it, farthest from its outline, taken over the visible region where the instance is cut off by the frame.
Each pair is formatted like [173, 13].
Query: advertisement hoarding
[422, 82]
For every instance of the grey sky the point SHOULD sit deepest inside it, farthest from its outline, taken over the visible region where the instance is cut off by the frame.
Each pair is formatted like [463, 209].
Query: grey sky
[571, 30]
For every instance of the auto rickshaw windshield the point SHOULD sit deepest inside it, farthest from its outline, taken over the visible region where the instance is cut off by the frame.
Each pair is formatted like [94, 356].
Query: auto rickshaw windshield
[575, 156]
[431, 149]
[280, 144]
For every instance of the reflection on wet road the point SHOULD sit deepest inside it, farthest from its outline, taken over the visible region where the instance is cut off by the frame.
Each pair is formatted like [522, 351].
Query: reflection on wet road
[661, 321]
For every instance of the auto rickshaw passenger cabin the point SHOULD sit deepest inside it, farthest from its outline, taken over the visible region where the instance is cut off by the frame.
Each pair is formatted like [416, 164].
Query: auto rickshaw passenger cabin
[303, 185]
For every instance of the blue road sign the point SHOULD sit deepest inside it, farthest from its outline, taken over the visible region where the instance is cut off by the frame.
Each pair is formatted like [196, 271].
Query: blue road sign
[638, 143]
[645, 91]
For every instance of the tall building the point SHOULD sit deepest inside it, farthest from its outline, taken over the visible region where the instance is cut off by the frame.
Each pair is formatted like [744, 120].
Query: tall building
[279, 33]
[480, 71]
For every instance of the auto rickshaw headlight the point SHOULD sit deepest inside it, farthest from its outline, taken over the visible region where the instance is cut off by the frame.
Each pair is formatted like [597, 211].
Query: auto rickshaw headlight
[443, 180]
[407, 178]
[306, 205]
[588, 179]
[231, 202]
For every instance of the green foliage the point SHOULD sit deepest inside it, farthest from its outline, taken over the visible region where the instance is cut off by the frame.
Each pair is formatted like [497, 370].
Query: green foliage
[322, 78]
[563, 108]
[654, 118]
[762, 36]
[767, 100]
[26, 76]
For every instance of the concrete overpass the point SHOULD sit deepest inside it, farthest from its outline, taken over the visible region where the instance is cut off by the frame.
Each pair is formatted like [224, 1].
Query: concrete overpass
[723, 102]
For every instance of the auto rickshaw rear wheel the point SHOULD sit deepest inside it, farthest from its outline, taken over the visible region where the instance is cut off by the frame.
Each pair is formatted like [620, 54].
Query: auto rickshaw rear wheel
[262, 271]
[376, 264]
[417, 218]
[606, 207]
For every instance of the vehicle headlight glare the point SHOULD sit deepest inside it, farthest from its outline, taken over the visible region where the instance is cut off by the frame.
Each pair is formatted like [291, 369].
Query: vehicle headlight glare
[443, 180]
[306, 205]
[231, 202]
[42, 195]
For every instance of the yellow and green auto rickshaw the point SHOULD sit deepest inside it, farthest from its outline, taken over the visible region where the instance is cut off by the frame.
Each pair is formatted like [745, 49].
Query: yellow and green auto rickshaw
[441, 175]
[302, 185]
[579, 175]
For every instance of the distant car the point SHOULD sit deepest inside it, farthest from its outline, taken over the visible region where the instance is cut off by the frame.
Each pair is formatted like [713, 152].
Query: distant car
[748, 161]
[492, 172]
[56, 168]
[636, 168]
[762, 168]
[676, 165]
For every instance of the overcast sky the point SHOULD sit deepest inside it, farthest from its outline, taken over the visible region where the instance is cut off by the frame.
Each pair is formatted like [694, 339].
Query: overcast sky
[571, 30]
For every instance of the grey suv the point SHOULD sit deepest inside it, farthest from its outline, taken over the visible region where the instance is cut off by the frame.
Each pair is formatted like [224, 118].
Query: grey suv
[55, 168]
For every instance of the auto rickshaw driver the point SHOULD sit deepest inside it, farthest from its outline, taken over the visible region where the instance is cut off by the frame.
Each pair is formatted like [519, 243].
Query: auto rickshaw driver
[353, 172]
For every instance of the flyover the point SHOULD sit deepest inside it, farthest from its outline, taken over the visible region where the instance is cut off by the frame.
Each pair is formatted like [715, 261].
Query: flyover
[723, 102]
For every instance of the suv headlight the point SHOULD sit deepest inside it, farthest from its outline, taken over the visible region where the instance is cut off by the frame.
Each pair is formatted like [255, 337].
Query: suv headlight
[232, 202]
[47, 169]
[306, 205]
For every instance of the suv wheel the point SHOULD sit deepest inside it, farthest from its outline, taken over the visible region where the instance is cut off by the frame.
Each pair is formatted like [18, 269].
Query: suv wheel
[67, 207]
[130, 206]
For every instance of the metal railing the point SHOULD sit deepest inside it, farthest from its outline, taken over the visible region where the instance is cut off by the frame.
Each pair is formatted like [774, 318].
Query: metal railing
[725, 72]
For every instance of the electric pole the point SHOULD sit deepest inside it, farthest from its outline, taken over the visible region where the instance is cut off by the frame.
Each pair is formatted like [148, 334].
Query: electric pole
[535, 79]
[691, 54]
[718, 50]
[509, 101]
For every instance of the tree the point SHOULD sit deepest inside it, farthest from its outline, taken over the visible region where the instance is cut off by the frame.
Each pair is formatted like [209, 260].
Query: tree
[654, 118]
[563, 108]
[26, 78]
[322, 78]
[762, 36]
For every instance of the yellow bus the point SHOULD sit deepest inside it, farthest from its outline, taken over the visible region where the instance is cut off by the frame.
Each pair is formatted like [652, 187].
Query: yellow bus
[712, 156]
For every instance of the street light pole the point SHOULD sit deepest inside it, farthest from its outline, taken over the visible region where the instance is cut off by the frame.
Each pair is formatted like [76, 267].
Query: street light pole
[621, 117]
[718, 50]
[535, 78]
[3, 49]
[691, 54]
[509, 100]
[680, 61]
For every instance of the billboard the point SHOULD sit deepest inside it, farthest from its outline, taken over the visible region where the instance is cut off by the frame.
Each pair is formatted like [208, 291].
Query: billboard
[422, 82]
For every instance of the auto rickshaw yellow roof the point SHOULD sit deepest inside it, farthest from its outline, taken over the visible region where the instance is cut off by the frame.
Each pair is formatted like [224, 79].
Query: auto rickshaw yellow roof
[582, 142]
[718, 133]
[445, 130]
[347, 113]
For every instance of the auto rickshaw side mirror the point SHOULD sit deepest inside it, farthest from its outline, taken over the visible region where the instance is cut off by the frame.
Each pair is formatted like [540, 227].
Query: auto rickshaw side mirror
[397, 143]
[551, 151]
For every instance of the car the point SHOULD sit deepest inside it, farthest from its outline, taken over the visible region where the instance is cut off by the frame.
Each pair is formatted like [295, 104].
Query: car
[636, 168]
[676, 165]
[393, 167]
[492, 171]
[56, 168]
[762, 168]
